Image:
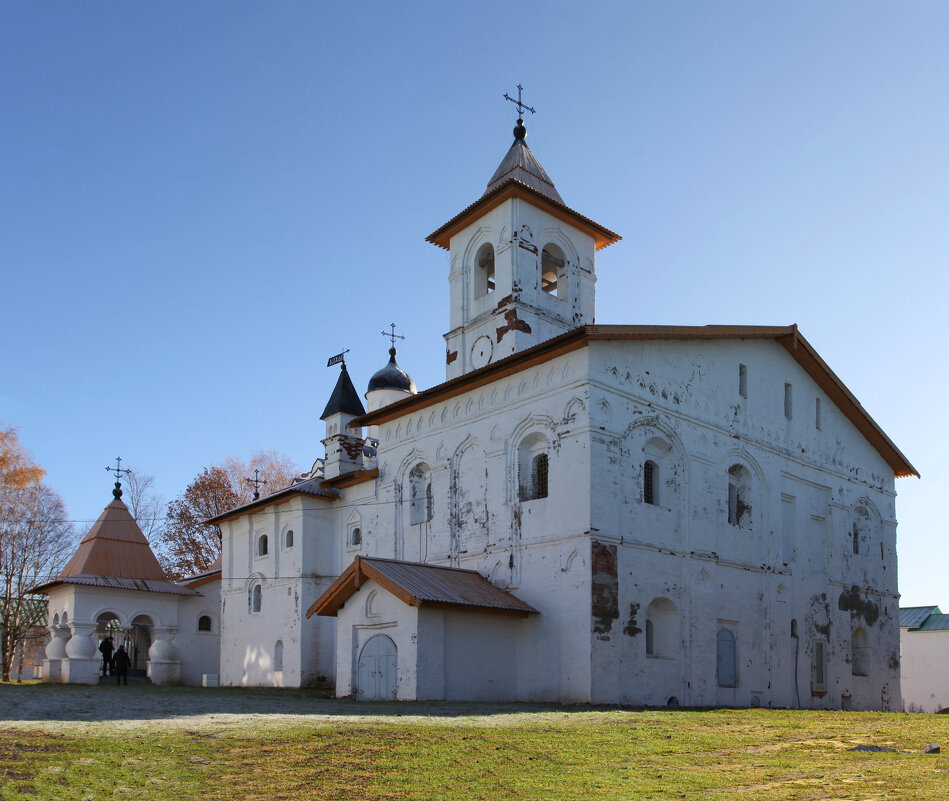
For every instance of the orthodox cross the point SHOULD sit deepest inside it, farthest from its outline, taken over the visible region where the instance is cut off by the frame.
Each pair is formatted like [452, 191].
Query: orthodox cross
[256, 481]
[521, 108]
[392, 334]
[117, 471]
[339, 358]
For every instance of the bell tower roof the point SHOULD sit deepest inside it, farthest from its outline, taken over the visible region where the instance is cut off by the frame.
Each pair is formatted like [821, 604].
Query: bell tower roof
[522, 166]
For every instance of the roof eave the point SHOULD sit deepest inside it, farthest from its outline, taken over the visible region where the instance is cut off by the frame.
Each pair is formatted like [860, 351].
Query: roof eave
[603, 237]
[277, 497]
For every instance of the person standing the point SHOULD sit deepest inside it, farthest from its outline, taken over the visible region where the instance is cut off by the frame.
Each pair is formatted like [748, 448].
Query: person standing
[105, 648]
[120, 666]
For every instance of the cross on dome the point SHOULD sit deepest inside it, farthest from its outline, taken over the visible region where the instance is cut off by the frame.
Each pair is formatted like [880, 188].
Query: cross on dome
[117, 471]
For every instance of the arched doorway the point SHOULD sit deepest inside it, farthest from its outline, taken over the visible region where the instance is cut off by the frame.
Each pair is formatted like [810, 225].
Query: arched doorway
[376, 674]
[108, 625]
[139, 641]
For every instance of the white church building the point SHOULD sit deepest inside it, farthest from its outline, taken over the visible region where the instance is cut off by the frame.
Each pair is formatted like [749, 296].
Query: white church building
[580, 513]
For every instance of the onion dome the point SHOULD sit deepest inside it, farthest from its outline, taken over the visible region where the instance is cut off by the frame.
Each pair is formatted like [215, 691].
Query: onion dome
[392, 377]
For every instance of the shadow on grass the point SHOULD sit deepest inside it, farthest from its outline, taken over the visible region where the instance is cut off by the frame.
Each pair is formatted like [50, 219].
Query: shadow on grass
[77, 703]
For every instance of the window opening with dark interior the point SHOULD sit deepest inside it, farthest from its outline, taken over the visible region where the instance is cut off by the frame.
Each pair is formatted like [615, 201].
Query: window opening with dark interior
[739, 496]
[484, 271]
[553, 271]
[356, 536]
[539, 475]
[204, 623]
[532, 468]
[256, 597]
[650, 483]
[262, 545]
[289, 539]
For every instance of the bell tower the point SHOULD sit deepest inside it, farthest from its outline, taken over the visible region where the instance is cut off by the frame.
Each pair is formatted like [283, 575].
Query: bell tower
[523, 264]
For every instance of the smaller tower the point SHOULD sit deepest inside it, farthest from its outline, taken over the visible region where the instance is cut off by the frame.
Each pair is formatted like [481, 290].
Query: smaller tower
[344, 448]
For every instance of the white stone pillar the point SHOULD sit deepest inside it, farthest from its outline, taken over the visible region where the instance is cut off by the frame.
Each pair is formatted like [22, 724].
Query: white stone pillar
[81, 665]
[55, 654]
[164, 667]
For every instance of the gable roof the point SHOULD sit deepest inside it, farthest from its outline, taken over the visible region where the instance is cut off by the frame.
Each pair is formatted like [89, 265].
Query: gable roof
[421, 585]
[313, 487]
[787, 336]
[116, 554]
[913, 617]
[344, 399]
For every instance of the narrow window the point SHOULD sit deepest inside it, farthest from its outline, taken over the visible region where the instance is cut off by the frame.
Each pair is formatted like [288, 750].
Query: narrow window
[859, 653]
[553, 272]
[819, 665]
[255, 598]
[539, 476]
[262, 545]
[278, 656]
[484, 271]
[726, 663]
[650, 481]
[739, 496]
[421, 505]
[743, 380]
[817, 416]
[650, 638]
[794, 627]
[787, 401]
[289, 539]
[204, 623]
[356, 537]
[855, 537]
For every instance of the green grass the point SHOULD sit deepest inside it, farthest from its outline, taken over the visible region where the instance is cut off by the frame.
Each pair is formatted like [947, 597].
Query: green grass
[345, 750]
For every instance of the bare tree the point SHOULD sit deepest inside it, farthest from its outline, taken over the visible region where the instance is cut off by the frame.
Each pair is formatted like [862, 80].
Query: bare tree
[148, 509]
[35, 542]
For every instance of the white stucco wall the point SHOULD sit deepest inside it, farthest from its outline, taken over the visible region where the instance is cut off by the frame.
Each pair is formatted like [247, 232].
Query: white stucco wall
[924, 661]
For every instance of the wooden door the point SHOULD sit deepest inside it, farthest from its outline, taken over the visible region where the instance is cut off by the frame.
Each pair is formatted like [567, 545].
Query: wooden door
[376, 673]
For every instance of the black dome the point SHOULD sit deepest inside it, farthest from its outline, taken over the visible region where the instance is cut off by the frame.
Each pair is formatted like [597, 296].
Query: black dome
[392, 377]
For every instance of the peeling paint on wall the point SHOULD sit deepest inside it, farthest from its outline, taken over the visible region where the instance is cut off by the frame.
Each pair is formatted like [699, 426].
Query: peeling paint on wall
[605, 594]
[851, 601]
[631, 629]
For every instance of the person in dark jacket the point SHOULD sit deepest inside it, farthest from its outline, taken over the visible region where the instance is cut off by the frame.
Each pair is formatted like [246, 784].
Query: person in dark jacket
[120, 666]
[105, 648]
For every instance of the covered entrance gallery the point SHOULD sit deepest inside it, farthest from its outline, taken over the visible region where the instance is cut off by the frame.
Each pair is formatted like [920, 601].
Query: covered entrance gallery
[411, 631]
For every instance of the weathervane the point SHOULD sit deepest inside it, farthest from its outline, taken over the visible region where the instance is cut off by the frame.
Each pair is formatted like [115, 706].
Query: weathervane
[521, 108]
[256, 481]
[339, 358]
[392, 334]
[117, 472]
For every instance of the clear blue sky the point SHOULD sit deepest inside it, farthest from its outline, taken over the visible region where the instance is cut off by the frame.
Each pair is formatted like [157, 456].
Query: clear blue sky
[201, 201]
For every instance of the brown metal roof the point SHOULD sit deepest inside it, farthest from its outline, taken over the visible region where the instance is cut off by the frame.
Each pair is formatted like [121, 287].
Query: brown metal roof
[421, 585]
[142, 585]
[522, 165]
[116, 554]
[787, 336]
[314, 487]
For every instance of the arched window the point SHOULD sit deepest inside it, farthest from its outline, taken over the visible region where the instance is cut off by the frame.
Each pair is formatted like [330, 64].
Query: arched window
[860, 653]
[484, 271]
[532, 468]
[726, 662]
[860, 530]
[553, 271]
[651, 483]
[739, 496]
[662, 619]
[278, 655]
[254, 597]
[262, 545]
[288, 539]
[204, 623]
[355, 536]
[421, 503]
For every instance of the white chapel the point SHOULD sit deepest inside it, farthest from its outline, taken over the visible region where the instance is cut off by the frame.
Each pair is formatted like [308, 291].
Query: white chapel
[580, 513]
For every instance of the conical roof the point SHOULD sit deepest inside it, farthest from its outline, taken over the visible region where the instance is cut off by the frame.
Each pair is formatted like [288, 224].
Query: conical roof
[521, 165]
[114, 548]
[344, 399]
[392, 377]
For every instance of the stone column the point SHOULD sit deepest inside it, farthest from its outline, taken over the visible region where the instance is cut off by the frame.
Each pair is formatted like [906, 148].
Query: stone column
[55, 654]
[164, 667]
[81, 665]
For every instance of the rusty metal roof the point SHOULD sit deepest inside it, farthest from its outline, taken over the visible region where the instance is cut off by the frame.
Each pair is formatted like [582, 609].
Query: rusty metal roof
[142, 585]
[421, 585]
[520, 164]
[116, 554]
[912, 617]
